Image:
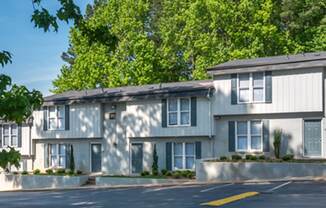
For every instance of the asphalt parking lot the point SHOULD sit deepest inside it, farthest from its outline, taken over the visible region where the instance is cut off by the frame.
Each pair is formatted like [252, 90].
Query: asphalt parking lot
[270, 194]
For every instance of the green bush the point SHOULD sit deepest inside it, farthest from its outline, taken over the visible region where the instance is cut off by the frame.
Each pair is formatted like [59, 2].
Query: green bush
[145, 173]
[9, 158]
[49, 171]
[251, 157]
[177, 174]
[70, 172]
[60, 171]
[24, 172]
[155, 162]
[236, 157]
[36, 172]
[262, 157]
[191, 175]
[288, 157]
[223, 158]
[168, 173]
[164, 171]
[72, 159]
[79, 172]
[277, 142]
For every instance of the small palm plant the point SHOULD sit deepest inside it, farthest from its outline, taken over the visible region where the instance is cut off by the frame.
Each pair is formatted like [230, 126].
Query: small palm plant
[277, 142]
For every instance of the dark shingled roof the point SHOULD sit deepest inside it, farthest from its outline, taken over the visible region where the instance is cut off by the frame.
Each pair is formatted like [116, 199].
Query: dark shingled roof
[273, 60]
[130, 92]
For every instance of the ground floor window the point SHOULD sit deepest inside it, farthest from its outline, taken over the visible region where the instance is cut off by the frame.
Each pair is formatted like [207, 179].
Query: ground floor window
[249, 136]
[9, 135]
[183, 155]
[57, 155]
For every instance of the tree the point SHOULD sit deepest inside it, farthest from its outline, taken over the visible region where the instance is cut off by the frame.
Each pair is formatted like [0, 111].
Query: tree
[141, 42]
[72, 159]
[9, 158]
[155, 162]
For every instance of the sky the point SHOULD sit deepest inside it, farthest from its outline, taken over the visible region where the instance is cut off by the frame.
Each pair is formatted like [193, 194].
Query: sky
[35, 54]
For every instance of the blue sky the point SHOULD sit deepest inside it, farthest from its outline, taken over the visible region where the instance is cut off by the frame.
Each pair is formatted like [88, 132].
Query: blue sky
[36, 55]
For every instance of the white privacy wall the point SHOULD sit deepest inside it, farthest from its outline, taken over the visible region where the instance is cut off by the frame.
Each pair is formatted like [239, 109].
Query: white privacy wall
[292, 91]
[85, 122]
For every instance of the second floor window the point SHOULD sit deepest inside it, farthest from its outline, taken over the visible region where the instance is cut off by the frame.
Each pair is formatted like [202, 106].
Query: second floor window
[179, 112]
[56, 117]
[251, 87]
[10, 135]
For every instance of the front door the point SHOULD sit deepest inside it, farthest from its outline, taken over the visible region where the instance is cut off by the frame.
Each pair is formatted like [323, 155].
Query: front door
[137, 158]
[96, 157]
[312, 138]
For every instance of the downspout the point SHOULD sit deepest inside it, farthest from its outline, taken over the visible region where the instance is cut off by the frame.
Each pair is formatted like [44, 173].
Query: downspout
[209, 96]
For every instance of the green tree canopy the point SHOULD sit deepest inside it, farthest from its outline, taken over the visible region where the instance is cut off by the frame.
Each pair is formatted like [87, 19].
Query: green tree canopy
[134, 42]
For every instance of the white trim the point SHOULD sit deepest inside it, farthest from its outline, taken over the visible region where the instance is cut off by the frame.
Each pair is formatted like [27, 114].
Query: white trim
[184, 156]
[178, 112]
[251, 88]
[321, 139]
[249, 136]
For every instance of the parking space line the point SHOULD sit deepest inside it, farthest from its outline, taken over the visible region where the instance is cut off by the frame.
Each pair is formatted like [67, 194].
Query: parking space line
[278, 187]
[230, 199]
[215, 187]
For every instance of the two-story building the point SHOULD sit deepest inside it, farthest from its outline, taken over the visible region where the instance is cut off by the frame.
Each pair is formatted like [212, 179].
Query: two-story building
[114, 130]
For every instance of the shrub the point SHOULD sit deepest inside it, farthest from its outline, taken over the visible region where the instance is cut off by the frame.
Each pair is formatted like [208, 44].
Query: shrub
[72, 159]
[60, 171]
[79, 172]
[155, 162]
[288, 157]
[164, 171]
[70, 172]
[36, 172]
[223, 158]
[177, 174]
[15, 173]
[144, 173]
[191, 175]
[168, 173]
[277, 142]
[262, 157]
[251, 157]
[185, 173]
[9, 158]
[49, 171]
[24, 172]
[236, 157]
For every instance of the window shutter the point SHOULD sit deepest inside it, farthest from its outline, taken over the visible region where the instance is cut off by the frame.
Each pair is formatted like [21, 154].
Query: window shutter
[231, 136]
[19, 135]
[234, 89]
[45, 118]
[68, 155]
[198, 150]
[266, 143]
[164, 113]
[67, 112]
[168, 155]
[268, 86]
[193, 111]
[46, 155]
[0, 136]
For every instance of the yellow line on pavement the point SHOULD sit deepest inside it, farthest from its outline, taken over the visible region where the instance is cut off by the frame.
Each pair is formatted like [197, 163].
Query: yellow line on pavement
[230, 199]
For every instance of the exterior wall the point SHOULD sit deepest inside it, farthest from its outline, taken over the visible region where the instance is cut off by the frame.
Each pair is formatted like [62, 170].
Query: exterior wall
[82, 154]
[292, 91]
[292, 140]
[144, 119]
[85, 122]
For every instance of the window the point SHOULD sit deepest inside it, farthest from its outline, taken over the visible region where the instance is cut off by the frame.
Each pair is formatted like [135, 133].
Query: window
[183, 156]
[251, 87]
[56, 117]
[249, 136]
[57, 155]
[179, 112]
[10, 135]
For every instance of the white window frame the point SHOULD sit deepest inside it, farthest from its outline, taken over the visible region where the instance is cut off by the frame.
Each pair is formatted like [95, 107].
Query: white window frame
[178, 112]
[251, 89]
[57, 118]
[248, 137]
[184, 156]
[58, 155]
[10, 135]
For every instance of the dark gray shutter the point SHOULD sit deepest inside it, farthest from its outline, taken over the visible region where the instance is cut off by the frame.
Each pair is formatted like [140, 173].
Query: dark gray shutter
[234, 89]
[46, 156]
[164, 113]
[268, 86]
[0, 136]
[45, 118]
[68, 155]
[266, 143]
[198, 150]
[168, 155]
[67, 117]
[19, 135]
[193, 111]
[231, 136]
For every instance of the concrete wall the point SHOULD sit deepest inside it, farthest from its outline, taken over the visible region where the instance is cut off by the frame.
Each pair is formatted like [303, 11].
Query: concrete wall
[85, 122]
[292, 127]
[292, 91]
[241, 171]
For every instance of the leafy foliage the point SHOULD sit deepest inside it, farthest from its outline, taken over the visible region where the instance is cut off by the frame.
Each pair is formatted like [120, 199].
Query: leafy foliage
[277, 142]
[155, 162]
[5, 58]
[72, 159]
[122, 42]
[9, 158]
